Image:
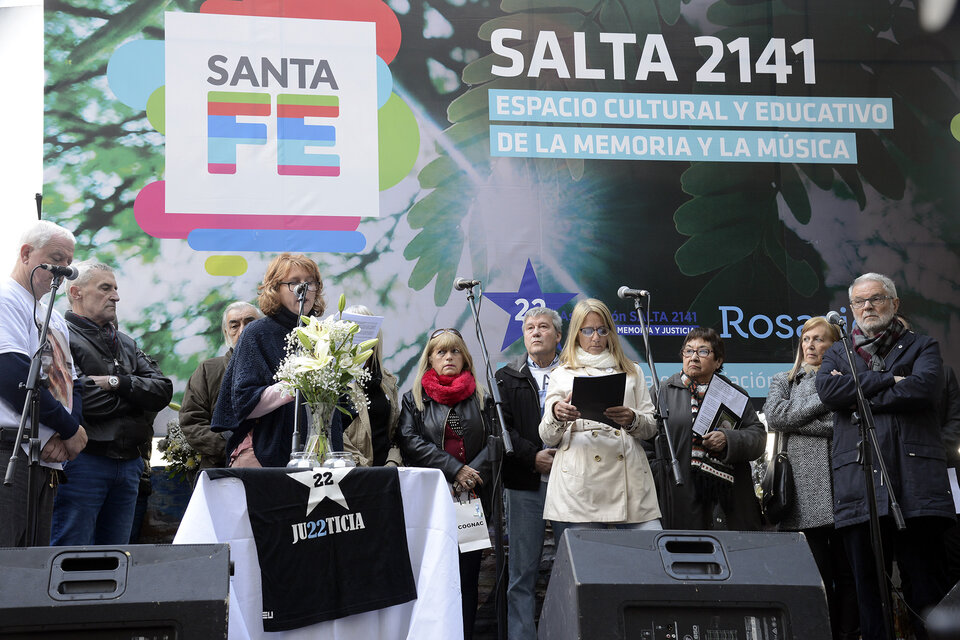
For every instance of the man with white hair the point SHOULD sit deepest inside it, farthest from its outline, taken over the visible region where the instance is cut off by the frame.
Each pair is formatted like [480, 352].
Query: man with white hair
[523, 386]
[901, 376]
[200, 397]
[123, 389]
[21, 313]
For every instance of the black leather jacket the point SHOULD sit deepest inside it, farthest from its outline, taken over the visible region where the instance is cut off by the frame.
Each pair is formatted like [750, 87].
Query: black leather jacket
[521, 411]
[421, 438]
[117, 420]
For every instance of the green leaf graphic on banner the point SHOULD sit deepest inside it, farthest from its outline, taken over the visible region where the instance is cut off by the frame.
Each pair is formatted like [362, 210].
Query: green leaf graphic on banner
[699, 254]
[794, 193]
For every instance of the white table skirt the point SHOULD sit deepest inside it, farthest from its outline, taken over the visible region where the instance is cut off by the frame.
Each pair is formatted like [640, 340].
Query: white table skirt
[218, 513]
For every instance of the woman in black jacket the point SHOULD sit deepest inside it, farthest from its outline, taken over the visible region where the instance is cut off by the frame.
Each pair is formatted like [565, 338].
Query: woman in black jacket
[443, 425]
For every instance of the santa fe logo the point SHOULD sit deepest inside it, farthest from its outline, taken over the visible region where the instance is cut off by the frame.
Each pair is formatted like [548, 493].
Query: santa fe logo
[270, 116]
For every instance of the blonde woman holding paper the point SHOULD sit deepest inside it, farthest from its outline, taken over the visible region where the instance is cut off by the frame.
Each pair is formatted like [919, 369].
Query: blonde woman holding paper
[600, 477]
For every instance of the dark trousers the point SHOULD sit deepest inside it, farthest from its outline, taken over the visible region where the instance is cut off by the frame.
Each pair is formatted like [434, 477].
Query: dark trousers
[918, 550]
[470, 589]
[13, 499]
[826, 544]
[951, 541]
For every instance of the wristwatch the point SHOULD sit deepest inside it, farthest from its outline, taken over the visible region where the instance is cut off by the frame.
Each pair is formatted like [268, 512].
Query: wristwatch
[113, 381]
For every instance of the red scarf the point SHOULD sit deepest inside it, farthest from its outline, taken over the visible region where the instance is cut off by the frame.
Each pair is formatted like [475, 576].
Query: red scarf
[448, 390]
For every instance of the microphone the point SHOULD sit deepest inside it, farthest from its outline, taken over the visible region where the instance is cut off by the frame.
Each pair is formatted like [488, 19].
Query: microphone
[70, 273]
[626, 292]
[834, 317]
[462, 283]
[301, 290]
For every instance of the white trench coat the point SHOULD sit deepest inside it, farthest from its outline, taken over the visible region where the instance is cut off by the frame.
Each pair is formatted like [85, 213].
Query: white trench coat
[600, 473]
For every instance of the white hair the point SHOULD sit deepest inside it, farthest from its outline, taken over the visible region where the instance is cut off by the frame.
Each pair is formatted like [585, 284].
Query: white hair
[886, 282]
[43, 232]
[87, 269]
[234, 306]
[533, 312]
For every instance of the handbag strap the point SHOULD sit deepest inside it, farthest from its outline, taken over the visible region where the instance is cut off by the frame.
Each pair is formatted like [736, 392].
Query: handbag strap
[780, 444]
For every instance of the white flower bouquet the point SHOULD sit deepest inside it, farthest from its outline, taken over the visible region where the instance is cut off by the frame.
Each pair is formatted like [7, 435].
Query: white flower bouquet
[182, 459]
[321, 362]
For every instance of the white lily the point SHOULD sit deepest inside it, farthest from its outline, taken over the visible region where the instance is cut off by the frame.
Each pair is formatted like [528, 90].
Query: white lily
[367, 344]
[361, 357]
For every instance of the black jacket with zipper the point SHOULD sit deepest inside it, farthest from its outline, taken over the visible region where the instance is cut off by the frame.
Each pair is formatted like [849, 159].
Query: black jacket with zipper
[118, 420]
[521, 412]
[421, 438]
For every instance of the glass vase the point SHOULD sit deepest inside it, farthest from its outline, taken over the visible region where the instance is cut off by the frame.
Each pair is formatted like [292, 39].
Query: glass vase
[319, 416]
[303, 460]
[335, 459]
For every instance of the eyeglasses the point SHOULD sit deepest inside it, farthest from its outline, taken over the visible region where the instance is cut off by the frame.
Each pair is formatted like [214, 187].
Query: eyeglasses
[703, 352]
[588, 331]
[311, 286]
[440, 332]
[875, 301]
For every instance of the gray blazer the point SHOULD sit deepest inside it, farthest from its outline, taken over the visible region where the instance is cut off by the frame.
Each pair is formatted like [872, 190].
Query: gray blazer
[794, 409]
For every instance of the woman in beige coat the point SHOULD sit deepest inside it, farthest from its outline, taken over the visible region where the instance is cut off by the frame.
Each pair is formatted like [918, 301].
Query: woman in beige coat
[600, 476]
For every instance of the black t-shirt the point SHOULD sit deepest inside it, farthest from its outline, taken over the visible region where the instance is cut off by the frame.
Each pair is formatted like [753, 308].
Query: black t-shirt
[322, 560]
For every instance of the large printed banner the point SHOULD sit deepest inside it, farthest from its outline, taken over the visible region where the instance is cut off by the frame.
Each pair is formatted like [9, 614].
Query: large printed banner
[741, 160]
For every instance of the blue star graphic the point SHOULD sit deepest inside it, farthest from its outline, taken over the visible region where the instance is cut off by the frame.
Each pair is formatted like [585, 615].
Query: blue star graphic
[517, 302]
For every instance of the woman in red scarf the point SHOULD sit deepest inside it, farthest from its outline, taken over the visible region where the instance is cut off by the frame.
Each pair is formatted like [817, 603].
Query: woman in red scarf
[443, 425]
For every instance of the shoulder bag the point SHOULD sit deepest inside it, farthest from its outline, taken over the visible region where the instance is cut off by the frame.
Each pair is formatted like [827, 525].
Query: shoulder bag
[777, 483]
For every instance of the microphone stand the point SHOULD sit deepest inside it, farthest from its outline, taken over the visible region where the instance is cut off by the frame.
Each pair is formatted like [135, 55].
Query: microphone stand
[500, 437]
[870, 451]
[295, 440]
[31, 408]
[662, 423]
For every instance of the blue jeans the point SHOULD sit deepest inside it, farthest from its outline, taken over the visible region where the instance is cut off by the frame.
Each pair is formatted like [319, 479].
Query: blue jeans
[560, 527]
[96, 504]
[525, 529]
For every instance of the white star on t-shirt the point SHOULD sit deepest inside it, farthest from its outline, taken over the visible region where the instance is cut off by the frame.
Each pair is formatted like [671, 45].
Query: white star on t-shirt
[323, 483]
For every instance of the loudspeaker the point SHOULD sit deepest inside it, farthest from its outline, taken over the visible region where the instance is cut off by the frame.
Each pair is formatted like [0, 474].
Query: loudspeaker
[943, 621]
[683, 585]
[126, 592]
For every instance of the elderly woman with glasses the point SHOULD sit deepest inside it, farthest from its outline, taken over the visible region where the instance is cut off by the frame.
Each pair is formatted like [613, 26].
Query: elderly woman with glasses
[251, 404]
[717, 490]
[600, 477]
[444, 425]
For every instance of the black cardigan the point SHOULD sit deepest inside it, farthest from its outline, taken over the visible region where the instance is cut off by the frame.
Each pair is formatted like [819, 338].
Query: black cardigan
[255, 360]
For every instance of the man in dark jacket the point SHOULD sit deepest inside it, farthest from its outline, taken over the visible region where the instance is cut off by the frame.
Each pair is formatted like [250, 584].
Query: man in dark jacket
[122, 389]
[200, 397]
[900, 373]
[950, 433]
[523, 387]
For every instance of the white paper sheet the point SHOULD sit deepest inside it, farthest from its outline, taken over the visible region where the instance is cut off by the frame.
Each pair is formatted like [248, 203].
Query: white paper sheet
[954, 488]
[720, 393]
[369, 326]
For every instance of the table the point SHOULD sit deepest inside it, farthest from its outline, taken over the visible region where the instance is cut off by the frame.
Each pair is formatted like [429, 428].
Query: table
[218, 513]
